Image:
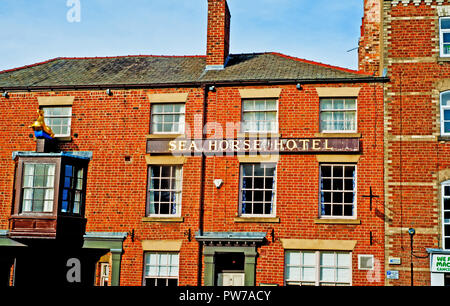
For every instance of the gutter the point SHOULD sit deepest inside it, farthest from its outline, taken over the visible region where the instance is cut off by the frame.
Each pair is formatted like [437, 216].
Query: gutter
[368, 79]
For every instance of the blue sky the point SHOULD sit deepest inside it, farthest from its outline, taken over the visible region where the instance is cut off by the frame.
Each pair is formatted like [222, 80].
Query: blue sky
[37, 30]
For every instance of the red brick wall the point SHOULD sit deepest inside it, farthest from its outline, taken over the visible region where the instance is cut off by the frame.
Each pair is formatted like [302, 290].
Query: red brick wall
[297, 181]
[116, 126]
[415, 156]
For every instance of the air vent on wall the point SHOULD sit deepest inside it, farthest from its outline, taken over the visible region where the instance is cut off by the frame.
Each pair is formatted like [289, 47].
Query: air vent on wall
[365, 262]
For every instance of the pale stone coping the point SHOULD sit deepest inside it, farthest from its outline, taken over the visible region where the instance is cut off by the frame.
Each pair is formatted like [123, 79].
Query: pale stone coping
[417, 184]
[338, 221]
[165, 160]
[338, 158]
[163, 219]
[162, 245]
[337, 135]
[325, 92]
[400, 60]
[313, 244]
[260, 93]
[55, 101]
[416, 2]
[168, 97]
[257, 220]
[258, 158]
[412, 138]
[165, 136]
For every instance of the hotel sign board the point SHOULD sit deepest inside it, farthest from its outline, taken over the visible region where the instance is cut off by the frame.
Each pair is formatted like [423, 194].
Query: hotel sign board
[440, 263]
[243, 146]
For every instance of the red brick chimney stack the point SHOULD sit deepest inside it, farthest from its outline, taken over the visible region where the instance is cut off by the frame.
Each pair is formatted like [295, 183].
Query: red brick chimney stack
[218, 41]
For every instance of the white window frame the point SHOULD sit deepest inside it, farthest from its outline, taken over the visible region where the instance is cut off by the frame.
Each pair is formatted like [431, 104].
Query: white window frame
[444, 223]
[104, 277]
[69, 117]
[177, 189]
[161, 277]
[277, 126]
[355, 191]
[442, 109]
[180, 123]
[360, 256]
[33, 188]
[441, 38]
[274, 191]
[318, 267]
[338, 110]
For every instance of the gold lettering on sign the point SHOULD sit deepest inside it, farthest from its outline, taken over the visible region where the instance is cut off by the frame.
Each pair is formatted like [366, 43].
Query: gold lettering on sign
[236, 145]
[293, 146]
[222, 147]
[182, 145]
[193, 146]
[256, 145]
[315, 145]
[246, 145]
[305, 144]
[213, 145]
[172, 145]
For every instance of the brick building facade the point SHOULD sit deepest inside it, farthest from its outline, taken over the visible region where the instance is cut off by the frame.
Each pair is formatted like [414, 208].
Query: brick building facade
[410, 48]
[244, 169]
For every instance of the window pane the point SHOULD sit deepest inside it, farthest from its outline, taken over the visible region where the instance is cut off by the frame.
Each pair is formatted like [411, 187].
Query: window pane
[343, 259]
[248, 105]
[446, 37]
[309, 274]
[271, 105]
[343, 275]
[309, 259]
[326, 104]
[293, 258]
[327, 259]
[447, 203]
[445, 98]
[338, 104]
[327, 274]
[447, 127]
[293, 273]
[350, 104]
[445, 23]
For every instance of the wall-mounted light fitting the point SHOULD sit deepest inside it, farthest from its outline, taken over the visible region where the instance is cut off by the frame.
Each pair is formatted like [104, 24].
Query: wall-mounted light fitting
[299, 86]
[212, 88]
[109, 92]
[218, 183]
[5, 94]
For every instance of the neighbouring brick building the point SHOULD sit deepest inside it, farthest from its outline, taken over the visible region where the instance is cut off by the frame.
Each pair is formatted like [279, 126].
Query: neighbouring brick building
[408, 41]
[243, 169]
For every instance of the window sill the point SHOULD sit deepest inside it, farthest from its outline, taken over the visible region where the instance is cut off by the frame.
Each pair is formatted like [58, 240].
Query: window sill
[338, 135]
[163, 219]
[443, 138]
[257, 220]
[64, 139]
[338, 221]
[443, 59]
[165, 136]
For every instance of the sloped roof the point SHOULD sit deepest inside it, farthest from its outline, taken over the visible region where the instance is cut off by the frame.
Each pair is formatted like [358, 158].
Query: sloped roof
[147, 70]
